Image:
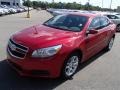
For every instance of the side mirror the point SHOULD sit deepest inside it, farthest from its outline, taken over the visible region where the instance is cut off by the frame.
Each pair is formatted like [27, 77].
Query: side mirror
[92, 31]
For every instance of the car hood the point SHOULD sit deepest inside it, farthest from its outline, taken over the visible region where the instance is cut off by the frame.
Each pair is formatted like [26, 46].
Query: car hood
[41, 36]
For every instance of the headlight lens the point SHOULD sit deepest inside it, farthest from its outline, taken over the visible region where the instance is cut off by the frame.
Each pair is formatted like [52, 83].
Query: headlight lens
[46, 52]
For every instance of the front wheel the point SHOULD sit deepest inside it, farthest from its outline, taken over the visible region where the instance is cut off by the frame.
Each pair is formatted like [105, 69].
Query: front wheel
[70, 66]
[110, 44]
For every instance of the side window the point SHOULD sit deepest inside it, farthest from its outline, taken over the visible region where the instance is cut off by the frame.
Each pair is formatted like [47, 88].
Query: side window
[112, 17]
[104, 21]
[95, 23]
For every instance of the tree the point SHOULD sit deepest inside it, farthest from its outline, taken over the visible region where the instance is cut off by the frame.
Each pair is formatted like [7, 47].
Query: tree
[27, 3]
[60, 5]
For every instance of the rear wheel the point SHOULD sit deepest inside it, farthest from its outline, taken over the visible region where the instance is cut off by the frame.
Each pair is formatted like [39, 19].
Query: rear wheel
[70, 66]
[110, 44]
[118, 28]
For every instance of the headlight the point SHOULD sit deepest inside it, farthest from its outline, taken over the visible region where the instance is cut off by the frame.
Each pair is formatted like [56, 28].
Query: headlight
[46, 52]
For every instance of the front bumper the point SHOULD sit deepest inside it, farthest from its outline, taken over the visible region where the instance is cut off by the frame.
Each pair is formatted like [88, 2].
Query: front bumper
[31, 67]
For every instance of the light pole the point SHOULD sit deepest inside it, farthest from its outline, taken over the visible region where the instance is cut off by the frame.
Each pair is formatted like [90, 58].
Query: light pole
[102, 3]
[110, 4]
[53, 1]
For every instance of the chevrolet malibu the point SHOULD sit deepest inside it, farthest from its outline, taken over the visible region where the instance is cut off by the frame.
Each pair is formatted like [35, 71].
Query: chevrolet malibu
[57, 47]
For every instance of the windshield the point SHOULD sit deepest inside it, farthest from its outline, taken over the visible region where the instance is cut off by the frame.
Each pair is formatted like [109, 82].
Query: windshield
[67, 22]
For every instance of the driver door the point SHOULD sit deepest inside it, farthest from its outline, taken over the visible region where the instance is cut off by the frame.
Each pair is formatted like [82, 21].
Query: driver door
[93, 40]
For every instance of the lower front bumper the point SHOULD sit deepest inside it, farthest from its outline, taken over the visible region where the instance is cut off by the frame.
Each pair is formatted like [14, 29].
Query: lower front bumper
[37, 68]
[29, 73]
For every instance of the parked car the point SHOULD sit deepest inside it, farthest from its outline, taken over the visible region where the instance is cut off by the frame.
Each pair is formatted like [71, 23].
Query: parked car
[4, 9]
[55, 12]
[51, 10]
[116, 19]
[57, 47]
[12, 10]
[24, 8]
[7, 9]
[60, 12]
[1, 12]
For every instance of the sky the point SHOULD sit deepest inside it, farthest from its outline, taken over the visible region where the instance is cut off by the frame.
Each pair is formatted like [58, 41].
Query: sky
[106, 3]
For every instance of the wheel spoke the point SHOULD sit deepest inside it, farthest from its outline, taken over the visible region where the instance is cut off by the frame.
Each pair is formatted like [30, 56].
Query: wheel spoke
[111, 43]
[118, 28]
[71, 65]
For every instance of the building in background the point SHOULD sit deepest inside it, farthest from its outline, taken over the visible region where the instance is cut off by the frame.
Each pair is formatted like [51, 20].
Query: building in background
[118, 9]
[11, 2]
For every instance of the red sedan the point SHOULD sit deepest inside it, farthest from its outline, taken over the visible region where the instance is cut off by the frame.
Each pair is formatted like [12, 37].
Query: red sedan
[57, 47]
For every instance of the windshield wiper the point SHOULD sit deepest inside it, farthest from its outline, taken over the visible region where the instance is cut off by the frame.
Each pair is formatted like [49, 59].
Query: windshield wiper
[56, 27]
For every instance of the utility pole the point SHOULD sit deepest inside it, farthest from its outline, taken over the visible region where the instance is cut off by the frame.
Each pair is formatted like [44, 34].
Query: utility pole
[102, 3]
[88, 4]
[89, 1]
[110, 4]
[53, 1]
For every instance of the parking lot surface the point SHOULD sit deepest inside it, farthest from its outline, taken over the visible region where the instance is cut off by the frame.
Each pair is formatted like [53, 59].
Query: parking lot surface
[101, 72]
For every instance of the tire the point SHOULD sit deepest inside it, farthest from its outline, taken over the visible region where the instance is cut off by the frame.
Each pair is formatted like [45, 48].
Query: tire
[110, 44]
[118, 28]
[70, 66]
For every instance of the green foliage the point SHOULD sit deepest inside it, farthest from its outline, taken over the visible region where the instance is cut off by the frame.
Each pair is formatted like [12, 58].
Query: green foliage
[27, 3]
[60, 5]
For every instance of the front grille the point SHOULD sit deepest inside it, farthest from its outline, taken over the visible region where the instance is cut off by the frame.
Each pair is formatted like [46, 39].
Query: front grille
[17, 50]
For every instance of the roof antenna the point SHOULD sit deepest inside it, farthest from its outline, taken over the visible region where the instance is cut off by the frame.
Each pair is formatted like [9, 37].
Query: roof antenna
[36, 32]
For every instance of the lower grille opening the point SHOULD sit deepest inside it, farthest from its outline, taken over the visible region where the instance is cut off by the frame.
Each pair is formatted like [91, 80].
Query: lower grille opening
[40, 72]
[16, 66]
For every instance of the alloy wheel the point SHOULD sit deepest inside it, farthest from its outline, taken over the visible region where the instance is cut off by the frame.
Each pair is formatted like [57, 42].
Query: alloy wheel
[71, 65]
[111, 43]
